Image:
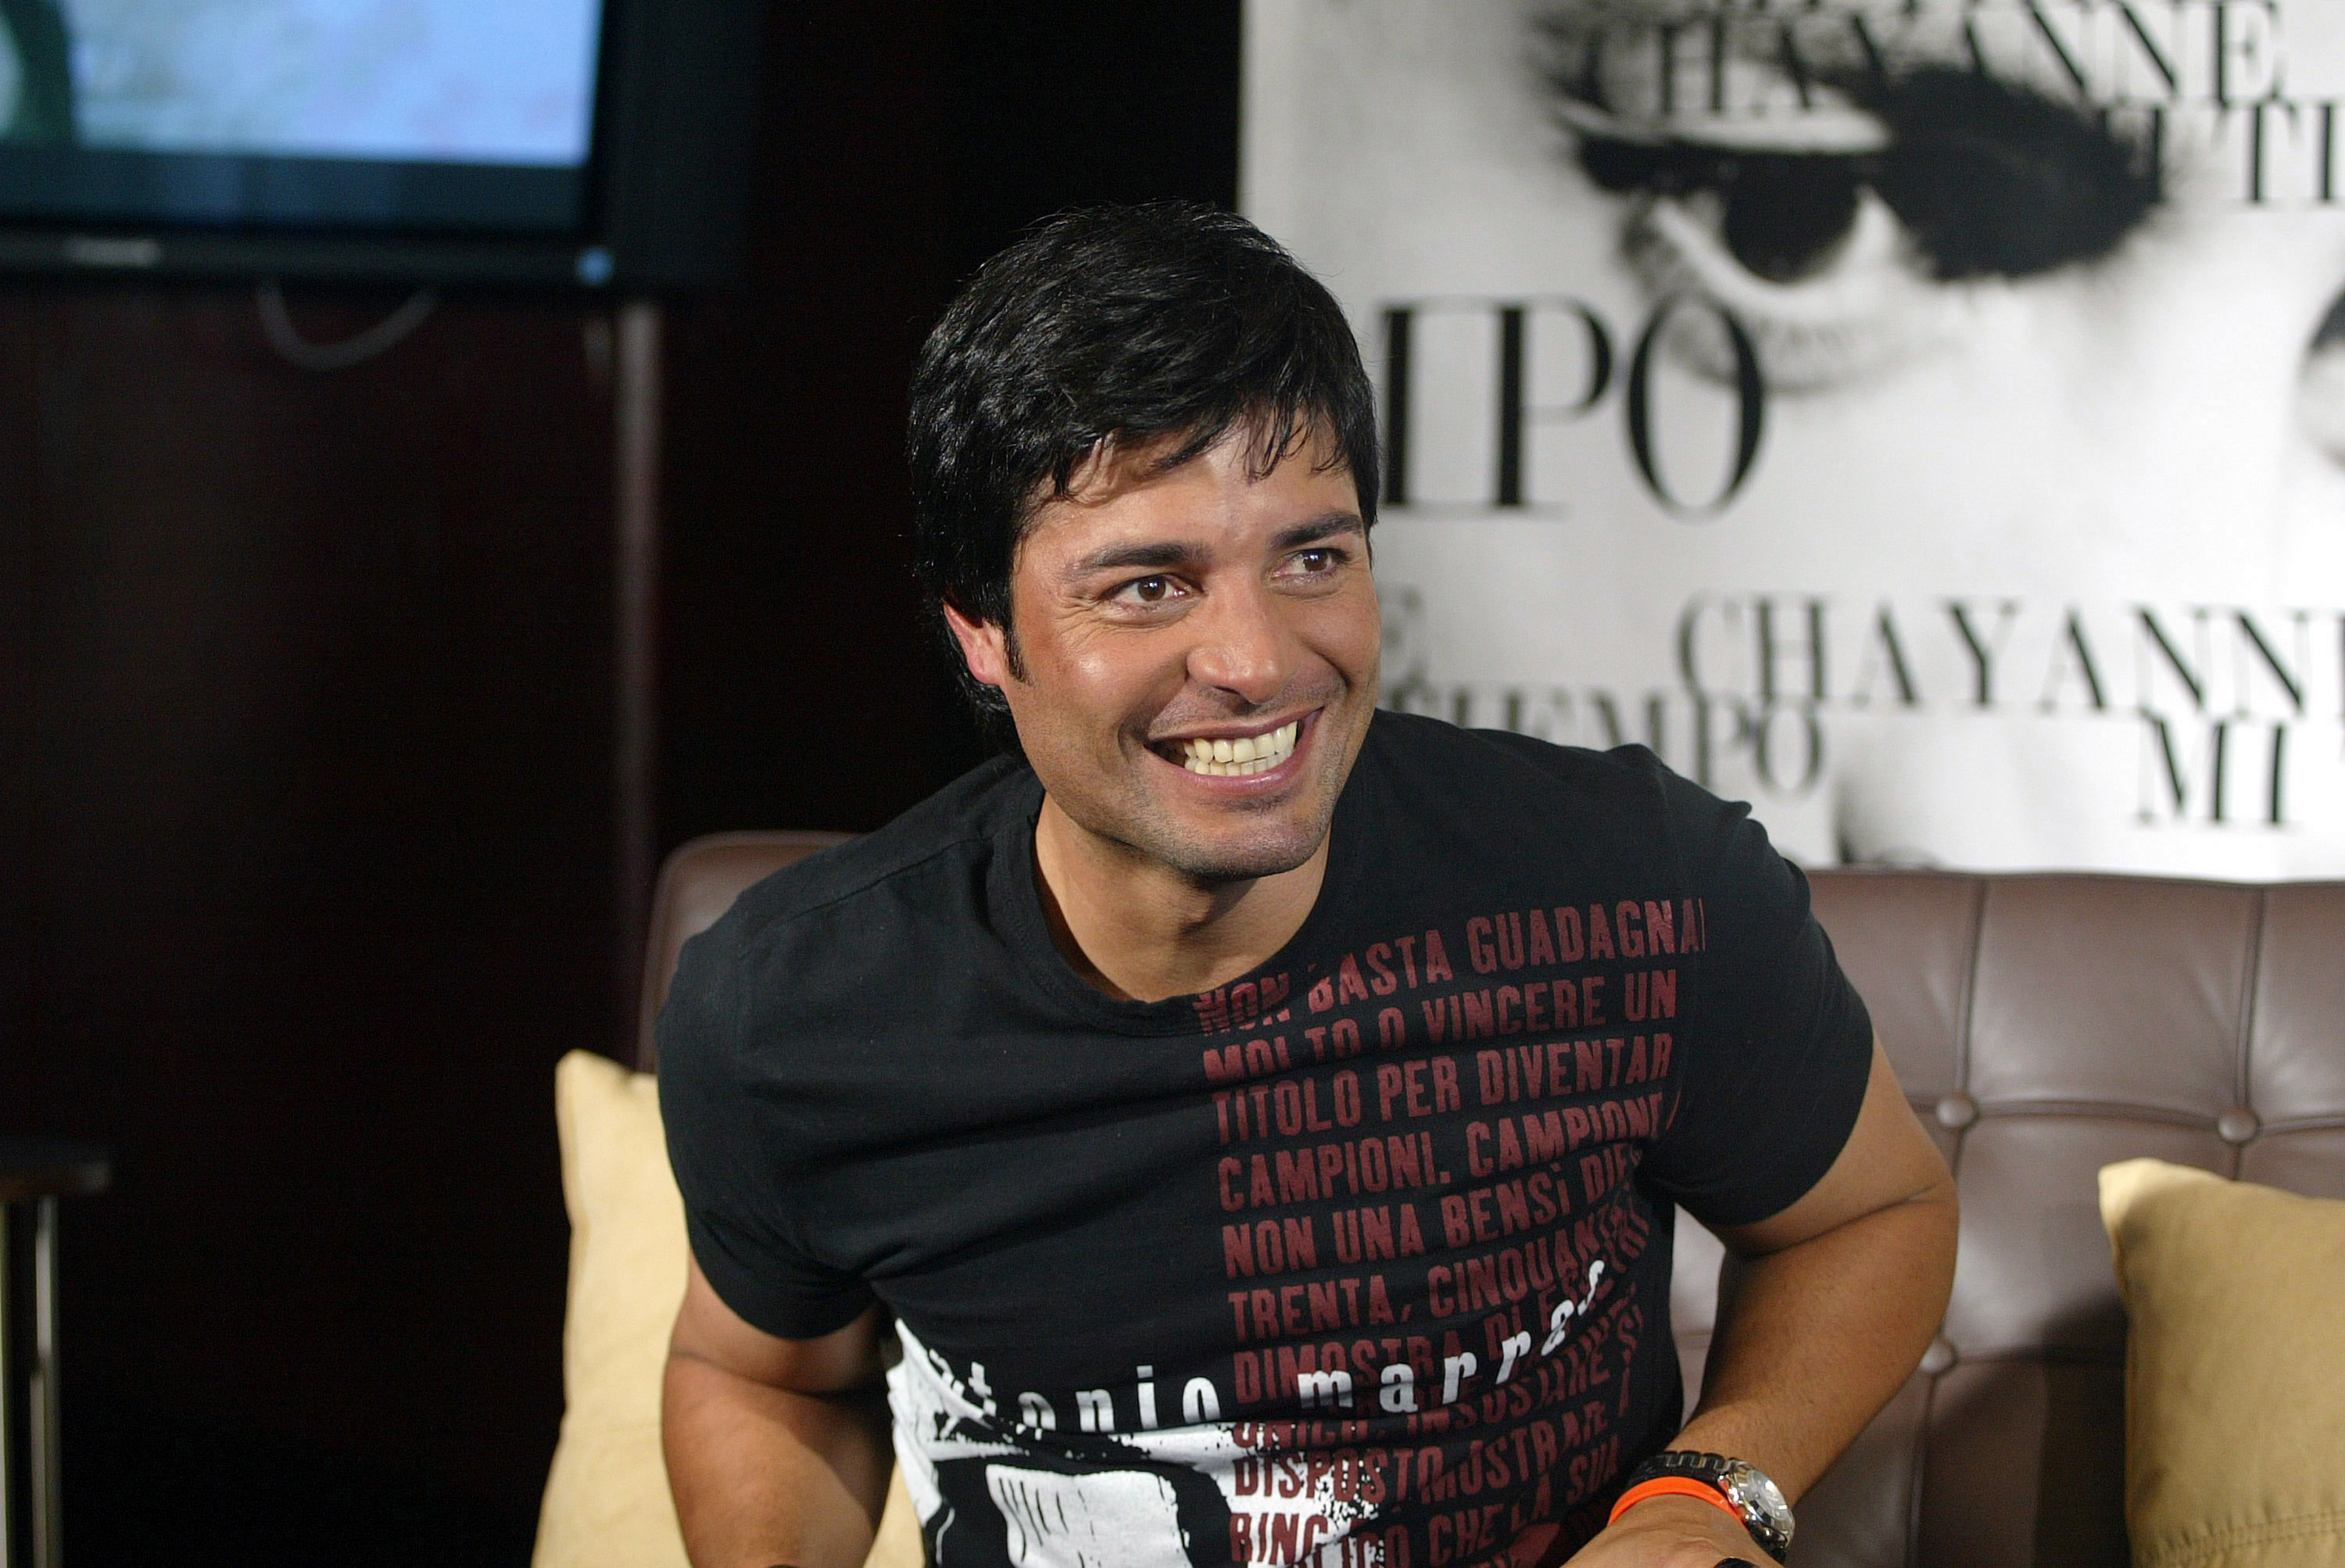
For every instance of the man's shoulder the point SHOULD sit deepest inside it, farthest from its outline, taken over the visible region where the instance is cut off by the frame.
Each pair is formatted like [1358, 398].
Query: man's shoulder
[1492, 767]
[869, 884]
[1455, 790]
[869, 938]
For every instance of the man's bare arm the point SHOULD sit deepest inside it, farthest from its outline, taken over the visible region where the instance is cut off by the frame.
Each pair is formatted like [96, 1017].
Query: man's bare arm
[1838, 1297]
[778, 1450]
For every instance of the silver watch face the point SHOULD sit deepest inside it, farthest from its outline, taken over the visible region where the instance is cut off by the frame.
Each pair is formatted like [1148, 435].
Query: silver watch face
[1756, 1493]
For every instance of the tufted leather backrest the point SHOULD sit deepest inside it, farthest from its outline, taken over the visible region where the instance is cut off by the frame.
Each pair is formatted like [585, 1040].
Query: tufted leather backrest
[2044, 1027]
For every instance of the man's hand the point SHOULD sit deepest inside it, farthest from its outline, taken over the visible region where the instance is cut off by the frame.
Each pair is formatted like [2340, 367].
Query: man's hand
[1671, 1533]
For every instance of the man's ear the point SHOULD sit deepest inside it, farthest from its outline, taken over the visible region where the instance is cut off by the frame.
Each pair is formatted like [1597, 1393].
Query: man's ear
[984, 646]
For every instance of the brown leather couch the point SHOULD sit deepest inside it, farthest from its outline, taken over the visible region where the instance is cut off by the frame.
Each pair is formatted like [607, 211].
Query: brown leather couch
[2042, 1027]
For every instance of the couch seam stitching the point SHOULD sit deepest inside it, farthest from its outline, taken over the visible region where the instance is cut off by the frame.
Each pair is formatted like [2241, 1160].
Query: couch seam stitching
[2194, 1548]
[2250, 985]
[1970, 997]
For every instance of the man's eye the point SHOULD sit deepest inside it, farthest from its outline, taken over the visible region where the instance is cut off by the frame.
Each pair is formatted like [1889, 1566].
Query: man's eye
[1148, 591]
[1315, 560]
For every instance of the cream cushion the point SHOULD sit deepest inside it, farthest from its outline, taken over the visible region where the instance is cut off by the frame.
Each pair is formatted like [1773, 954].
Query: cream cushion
[606, 1499]
[2235, 1368]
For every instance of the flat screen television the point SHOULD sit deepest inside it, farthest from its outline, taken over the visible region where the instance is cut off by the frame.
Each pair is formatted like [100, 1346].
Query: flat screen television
[596, 143]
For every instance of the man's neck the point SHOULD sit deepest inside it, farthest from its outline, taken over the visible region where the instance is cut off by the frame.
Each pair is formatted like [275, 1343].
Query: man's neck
[1141, 931]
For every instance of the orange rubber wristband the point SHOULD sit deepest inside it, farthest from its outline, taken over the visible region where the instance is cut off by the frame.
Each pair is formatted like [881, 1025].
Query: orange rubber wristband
[1675, 1486]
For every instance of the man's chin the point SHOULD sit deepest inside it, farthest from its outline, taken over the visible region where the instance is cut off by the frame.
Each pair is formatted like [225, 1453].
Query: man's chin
[1243, 855]
[1242, 839]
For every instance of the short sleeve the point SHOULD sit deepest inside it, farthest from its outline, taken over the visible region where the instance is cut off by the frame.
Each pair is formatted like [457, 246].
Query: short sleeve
[730, 1152]
[1774, 1071]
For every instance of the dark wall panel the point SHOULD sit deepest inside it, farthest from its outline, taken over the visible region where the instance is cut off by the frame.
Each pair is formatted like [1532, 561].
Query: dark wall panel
[321, 889]
[1056, 103]
[799, 693]
[19, 829]
[906, 143]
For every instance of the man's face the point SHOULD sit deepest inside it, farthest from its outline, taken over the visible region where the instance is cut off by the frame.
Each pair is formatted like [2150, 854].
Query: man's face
[1197, 654]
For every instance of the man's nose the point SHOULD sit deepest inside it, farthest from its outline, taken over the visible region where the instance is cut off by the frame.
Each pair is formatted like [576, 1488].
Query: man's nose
[1242, 646]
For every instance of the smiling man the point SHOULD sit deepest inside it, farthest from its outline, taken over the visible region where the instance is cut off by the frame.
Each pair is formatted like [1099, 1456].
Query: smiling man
[1246, 1125]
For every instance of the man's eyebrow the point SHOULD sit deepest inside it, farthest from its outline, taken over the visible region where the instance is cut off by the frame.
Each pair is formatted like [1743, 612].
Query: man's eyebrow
[1324, 528]
[1165, 555]
[1122, 558]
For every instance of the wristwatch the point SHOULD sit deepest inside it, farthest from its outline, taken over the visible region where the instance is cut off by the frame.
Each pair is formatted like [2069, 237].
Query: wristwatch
[1743, 1487]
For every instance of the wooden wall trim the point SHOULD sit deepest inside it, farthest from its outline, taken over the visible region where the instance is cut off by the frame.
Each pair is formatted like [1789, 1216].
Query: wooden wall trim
[635, 650]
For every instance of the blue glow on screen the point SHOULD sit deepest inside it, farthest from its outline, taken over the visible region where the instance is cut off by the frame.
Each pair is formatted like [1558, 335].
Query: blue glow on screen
[499, 82]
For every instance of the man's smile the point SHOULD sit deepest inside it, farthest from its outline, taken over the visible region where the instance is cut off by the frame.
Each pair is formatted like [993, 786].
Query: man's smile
[1233, 756]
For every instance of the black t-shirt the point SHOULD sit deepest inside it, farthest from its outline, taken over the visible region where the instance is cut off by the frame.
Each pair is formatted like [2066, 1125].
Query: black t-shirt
[1361, 1257]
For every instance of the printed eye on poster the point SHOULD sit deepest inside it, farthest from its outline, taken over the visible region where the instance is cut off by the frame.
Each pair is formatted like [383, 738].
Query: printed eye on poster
[1925, 419]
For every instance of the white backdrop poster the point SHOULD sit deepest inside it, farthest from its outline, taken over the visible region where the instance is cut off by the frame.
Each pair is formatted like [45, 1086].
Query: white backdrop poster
[1925, 419]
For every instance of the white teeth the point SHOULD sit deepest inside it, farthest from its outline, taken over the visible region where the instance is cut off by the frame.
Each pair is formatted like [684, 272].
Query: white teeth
[1247, 755]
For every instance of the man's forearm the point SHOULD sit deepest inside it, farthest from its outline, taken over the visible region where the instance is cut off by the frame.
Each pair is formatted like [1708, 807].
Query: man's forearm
[1835, 1300]
[764, 1475]
[1815, 1339]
